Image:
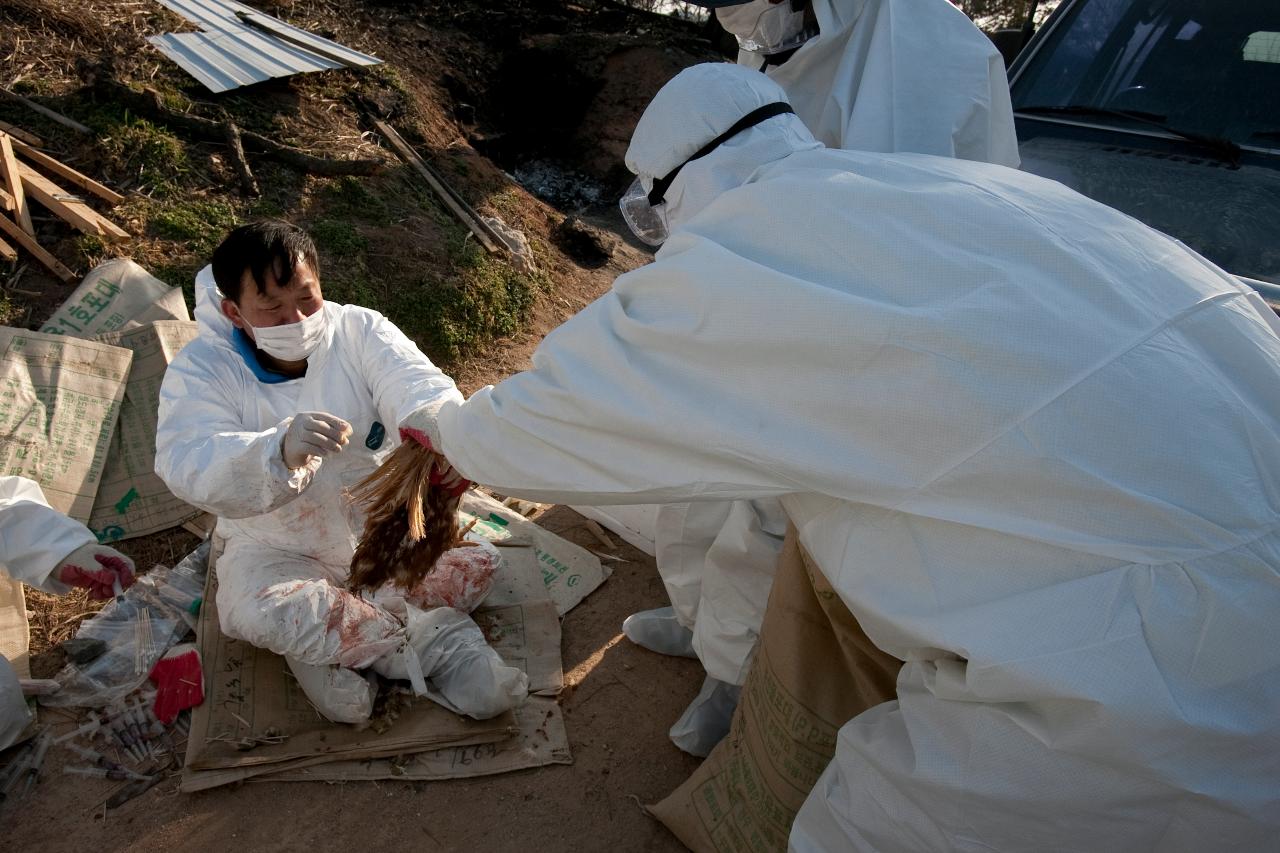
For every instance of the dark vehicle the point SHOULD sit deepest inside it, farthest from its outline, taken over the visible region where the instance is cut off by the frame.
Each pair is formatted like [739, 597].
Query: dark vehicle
[1168, 110]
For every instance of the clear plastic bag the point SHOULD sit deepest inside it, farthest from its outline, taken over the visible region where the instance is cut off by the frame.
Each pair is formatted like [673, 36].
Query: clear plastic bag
[137, 627]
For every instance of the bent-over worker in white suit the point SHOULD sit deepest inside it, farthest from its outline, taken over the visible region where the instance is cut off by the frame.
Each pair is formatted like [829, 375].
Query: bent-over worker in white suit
[871, 75]
[1033, 445]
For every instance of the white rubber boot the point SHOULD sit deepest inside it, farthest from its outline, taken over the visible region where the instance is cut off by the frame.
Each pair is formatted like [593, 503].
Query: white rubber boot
[706, 721]
[338, 693]
[659, 631]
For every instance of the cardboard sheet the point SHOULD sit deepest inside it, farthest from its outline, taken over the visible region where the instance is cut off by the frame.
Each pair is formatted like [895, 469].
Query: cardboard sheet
[542, 740]
[544, 564]
[250, 694]
[132, 500]
[59, 400]
[250, 691]
[112, 294]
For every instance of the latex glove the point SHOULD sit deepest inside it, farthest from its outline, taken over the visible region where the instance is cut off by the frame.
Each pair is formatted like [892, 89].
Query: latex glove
[179, 681]
[96, 568]
[442, 474]
[313, 434]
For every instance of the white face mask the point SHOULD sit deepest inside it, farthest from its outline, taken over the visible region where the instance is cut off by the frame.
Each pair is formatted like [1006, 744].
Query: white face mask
[764, 27]
[292, 341]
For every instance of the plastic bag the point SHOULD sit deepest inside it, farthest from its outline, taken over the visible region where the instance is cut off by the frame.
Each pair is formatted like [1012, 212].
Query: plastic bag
[138, 627]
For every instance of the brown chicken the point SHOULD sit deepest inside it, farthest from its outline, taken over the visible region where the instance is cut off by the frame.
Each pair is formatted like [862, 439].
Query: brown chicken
[409, 523]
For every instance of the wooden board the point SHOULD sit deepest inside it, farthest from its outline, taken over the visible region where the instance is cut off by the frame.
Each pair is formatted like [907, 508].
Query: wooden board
[77, 213]
[19, 133]
[25, 240]
[8, 252]
[9, 175]
[62, 170]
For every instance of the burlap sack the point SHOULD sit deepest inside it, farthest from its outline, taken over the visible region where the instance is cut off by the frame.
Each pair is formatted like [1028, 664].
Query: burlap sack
[814, 670]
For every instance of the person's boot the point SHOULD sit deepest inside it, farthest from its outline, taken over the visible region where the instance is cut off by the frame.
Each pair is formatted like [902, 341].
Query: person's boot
[659, 631]
[446, 657]
[338, 693]
[706, 721]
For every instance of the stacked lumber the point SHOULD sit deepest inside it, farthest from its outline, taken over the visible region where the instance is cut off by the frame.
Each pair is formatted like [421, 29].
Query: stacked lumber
[25, 178]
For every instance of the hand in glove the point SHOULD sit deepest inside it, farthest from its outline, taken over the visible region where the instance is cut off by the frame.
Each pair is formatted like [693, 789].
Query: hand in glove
[96, 568]
[313, 434]
[443, 474]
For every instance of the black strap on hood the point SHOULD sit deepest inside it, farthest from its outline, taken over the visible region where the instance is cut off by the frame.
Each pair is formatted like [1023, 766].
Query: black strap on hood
[657, 195]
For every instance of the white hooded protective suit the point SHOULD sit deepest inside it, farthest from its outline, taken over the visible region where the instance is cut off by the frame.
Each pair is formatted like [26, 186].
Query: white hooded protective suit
[881, 75]
[899, 75]
[34, 540]
[1033, 444]
[290, 533]
[34, 537]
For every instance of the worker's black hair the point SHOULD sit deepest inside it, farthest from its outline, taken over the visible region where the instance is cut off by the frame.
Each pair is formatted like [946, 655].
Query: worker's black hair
[269, 244]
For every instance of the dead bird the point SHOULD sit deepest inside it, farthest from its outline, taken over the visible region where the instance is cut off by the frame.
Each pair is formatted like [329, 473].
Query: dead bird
[409, 523]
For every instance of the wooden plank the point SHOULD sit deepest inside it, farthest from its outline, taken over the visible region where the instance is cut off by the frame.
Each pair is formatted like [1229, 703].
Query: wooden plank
[6, 201]
[8, 252]
[46, 112]
[13, 180]
[61, 203]
[67, 173]
[27, 242]
[19, 133]
[460, 208]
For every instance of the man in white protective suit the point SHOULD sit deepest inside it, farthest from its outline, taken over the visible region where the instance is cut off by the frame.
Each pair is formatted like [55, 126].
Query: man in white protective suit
[881, 75]
[871, 75]
[45, 549]
[282, 403]
[1032, 444]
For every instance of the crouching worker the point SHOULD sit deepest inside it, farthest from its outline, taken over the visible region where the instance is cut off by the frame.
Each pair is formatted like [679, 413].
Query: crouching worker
[47, 550]
[280, 405]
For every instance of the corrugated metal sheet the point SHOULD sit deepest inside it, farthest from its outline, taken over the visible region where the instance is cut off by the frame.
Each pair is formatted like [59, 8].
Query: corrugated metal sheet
[228, 54]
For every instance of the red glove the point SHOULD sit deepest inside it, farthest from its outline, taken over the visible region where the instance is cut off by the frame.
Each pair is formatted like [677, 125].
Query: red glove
[179, 681]
[442, 474]
[98, 569]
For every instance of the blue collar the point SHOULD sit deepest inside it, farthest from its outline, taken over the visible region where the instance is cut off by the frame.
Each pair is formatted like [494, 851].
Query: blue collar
[249, 353]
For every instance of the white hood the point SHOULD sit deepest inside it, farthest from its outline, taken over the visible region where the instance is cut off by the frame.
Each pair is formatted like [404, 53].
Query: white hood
[209, 314]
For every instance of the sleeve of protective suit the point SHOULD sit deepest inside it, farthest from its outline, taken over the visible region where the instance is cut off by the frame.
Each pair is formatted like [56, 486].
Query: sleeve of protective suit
[407, 388]
[207, 458]
[623, 405]
[34, 537]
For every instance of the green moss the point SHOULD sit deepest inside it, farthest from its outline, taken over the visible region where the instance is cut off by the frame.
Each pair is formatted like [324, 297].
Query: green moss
[9, 312]
[486, 299]
[135, 146]
[201, 224]
[350, 197]
[338, 237]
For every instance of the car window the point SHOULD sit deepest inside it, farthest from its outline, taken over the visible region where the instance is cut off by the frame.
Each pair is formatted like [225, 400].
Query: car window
[1210, 67]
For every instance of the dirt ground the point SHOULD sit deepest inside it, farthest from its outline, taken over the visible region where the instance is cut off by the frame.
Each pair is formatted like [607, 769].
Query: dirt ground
[619, 700]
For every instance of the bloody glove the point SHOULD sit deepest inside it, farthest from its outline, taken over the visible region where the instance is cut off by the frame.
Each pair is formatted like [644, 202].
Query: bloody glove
[442, 474]
[98, 569]
[179, 681]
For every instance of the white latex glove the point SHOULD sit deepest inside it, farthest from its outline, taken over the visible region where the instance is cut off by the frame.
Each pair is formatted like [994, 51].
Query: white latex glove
[101, 570]
[313, 434]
